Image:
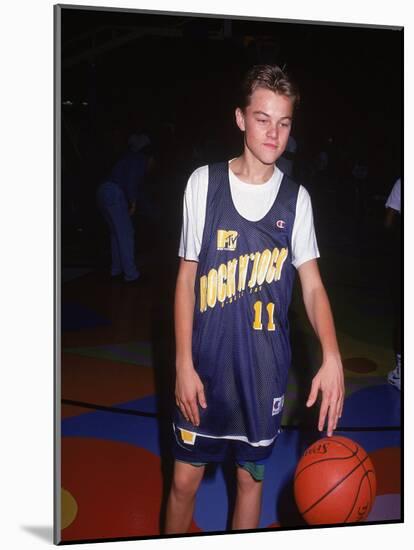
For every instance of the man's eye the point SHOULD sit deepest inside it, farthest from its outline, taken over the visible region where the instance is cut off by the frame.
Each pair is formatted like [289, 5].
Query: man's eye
[262, 120]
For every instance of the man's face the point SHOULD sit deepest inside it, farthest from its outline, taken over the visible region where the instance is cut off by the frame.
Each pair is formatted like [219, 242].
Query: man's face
[266, 124]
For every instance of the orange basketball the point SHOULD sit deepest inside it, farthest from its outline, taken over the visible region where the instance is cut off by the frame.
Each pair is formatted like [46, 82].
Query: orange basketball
[334, 482]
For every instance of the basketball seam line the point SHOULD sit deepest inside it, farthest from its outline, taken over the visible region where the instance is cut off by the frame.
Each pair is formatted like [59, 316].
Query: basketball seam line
[366, 471]
[359, 489]
[324, 460]
[332, 488]
[354, 453]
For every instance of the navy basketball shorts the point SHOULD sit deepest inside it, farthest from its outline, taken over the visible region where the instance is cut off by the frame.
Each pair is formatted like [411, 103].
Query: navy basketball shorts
[200, 451]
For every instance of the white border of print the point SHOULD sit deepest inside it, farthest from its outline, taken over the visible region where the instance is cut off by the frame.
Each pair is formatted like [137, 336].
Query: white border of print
[27, 269]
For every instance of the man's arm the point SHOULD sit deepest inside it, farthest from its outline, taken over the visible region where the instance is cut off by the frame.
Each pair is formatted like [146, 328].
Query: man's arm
[188, 388]
[330, 377]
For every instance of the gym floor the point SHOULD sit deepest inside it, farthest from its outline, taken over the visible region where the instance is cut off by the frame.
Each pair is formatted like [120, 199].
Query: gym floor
[117, 360]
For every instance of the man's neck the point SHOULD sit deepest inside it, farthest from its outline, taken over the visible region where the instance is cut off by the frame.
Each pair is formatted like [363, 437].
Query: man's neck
[251, 170]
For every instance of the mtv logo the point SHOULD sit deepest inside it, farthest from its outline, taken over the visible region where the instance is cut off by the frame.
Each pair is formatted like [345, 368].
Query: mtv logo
[226, 240]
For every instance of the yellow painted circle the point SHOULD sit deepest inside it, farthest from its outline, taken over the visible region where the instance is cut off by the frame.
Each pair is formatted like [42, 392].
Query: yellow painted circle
[69, 508]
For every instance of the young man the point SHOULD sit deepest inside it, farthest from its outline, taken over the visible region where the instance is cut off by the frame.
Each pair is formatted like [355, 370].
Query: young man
[246, 230]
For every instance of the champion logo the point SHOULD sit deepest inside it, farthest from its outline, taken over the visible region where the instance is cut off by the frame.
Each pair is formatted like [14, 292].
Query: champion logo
[280, 224]
[278, 403]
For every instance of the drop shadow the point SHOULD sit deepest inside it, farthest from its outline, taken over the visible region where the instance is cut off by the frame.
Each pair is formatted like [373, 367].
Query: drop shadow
[43, 532]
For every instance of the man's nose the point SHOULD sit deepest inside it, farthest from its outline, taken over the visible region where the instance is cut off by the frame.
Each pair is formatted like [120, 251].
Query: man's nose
[273, 131]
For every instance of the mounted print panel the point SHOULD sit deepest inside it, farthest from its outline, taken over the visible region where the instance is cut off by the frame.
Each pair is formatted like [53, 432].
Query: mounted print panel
[228, 274]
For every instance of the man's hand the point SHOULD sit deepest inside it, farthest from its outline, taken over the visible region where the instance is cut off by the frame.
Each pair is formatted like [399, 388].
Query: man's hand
[330, 377]
[189, 391]
[330, 381]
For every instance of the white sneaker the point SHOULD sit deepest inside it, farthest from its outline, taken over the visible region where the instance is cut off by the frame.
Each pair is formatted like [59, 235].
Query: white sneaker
[394, 378]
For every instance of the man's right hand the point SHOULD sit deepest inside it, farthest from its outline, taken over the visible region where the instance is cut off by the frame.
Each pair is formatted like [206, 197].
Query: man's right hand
[189, 391]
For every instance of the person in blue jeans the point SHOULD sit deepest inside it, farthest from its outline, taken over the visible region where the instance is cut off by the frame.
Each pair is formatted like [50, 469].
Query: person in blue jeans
[117, 198]
[393, 226]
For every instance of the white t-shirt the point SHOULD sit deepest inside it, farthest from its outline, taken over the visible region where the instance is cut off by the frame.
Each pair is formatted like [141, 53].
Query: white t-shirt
[394, 200]
[252, 201]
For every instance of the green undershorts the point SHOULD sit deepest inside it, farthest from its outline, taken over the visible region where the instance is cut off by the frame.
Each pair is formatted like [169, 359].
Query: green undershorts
[255, 470]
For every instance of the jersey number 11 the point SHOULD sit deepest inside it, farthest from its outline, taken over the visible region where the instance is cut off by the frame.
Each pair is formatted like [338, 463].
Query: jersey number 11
[257, 323]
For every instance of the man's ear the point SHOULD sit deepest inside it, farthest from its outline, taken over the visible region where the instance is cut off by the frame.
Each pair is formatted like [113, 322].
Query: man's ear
[240, 119]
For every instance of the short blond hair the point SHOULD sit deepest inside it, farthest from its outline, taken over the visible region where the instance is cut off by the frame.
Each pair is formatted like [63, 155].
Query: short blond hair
[271, 77]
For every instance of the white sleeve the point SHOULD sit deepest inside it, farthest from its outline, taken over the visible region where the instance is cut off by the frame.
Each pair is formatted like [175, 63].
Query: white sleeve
[194, 214]
[304, 244]
[394, 200]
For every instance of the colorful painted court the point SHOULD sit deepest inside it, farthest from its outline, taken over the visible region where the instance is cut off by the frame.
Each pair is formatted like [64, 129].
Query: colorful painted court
[117, 368]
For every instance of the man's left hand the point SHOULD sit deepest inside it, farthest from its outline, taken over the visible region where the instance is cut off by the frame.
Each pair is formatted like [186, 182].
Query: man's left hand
[330, 381]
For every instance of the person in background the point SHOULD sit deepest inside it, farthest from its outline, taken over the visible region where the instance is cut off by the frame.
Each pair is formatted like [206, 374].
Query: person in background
[359, 179]
[117, 200]
[285, 163]
[392, 224]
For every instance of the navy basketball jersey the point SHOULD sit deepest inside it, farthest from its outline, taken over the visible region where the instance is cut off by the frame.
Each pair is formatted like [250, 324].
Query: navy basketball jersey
[243, 290]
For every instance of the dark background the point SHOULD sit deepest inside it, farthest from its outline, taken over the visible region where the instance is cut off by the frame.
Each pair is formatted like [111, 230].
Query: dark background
[175, 77]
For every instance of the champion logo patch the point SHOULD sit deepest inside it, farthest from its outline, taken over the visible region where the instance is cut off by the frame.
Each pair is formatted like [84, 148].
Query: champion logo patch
[278, 403]
[280, 224]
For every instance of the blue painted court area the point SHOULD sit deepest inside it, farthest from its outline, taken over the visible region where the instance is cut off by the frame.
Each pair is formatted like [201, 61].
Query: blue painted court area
[278, 504]
[372, 406]
[137, 430]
